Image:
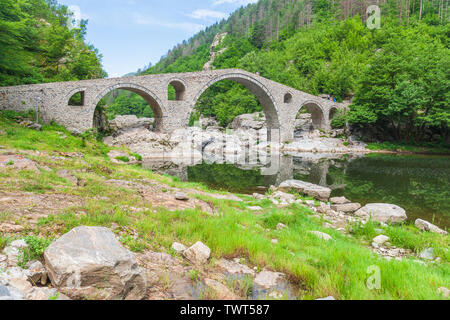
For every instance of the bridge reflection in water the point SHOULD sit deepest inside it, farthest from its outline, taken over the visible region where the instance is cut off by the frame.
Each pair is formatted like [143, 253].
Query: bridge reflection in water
[313, 167]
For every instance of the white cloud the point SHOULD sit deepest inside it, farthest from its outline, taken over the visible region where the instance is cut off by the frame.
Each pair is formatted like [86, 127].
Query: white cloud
[190, 27]
[239, 2]
[206, 14]
[77, 15]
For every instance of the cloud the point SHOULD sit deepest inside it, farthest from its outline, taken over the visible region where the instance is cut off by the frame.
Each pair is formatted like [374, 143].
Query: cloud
[239, 2]
[77, 15]
[187, 26]
[206, 14]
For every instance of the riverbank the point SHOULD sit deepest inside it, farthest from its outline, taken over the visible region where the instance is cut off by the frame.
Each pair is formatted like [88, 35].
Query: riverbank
[52, 182]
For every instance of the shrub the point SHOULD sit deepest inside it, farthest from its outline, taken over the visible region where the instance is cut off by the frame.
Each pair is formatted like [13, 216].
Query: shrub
[34, 251]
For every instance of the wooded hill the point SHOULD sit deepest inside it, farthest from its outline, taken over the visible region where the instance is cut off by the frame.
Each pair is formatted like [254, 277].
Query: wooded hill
[39, 43]
[397, 75]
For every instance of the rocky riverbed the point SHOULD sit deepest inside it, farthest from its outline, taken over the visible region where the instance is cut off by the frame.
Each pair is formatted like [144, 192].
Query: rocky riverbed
[209, 142]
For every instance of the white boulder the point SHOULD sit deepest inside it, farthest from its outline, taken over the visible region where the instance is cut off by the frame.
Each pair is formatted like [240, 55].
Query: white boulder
[91, 262]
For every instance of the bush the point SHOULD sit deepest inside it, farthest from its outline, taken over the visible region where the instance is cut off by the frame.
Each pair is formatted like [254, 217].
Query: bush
[34, 251]
[340, 120]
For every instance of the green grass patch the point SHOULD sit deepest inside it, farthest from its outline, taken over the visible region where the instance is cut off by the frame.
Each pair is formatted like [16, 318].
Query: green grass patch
[34, 250]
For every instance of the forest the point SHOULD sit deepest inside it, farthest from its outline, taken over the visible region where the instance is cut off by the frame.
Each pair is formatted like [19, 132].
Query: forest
[396, 76]
[40, 42]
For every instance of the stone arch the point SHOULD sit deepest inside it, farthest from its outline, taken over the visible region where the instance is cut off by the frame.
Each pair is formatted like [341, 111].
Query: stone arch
[180, 88]
[263, 95]
[152, 100]
[317, 113]
[73, 92]
[287, 97]
[332, 113]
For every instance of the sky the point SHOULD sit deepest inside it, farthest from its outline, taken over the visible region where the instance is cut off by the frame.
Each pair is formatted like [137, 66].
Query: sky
[132, 33]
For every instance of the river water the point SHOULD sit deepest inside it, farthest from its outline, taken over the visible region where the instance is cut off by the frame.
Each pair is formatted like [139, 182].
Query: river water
[419, 184]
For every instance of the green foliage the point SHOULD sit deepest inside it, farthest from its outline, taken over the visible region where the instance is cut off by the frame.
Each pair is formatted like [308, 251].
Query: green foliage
[397, 74]
[22, 138]
[226, 100]
[193, 274]
[405, 86]
[36, 44]
[4, 240]
[339, 120]
[34, 250]
[137, 156]
[123, 158]
[128, 103]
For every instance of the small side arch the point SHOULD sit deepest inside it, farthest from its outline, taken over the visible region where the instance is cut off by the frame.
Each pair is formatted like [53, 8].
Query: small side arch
[317, 113]
[333, 111]
[76, 97]
[180, 88]
[287, 97]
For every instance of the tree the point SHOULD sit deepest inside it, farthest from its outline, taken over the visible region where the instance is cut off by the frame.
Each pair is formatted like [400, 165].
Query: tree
[258, 35]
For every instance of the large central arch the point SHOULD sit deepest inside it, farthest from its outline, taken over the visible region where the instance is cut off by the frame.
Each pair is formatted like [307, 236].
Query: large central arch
[263, 95]
[152, 100]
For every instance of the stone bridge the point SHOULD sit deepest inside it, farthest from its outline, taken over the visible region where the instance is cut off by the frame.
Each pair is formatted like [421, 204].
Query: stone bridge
[280, 103]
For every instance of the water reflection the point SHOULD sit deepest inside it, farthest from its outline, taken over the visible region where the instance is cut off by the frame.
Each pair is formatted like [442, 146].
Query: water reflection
[420, 184]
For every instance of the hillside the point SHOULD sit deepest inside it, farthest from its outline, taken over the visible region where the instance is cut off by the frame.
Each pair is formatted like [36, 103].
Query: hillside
[322, 48]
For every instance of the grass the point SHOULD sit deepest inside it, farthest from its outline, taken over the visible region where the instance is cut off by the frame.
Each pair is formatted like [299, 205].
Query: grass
[432, 148]
[316, 268]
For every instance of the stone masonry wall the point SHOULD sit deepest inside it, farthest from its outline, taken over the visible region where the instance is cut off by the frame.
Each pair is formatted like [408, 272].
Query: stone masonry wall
[280, 103]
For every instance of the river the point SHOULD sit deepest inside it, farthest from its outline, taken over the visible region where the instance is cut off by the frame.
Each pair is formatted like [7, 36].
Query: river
[419, 184]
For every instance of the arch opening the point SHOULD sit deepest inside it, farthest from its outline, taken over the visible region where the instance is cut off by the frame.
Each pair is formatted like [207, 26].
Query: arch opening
[333, 112]
[231, 95]
[288, 98]
[176, 90]
[77, 99]
[309, 120]
[137, 106]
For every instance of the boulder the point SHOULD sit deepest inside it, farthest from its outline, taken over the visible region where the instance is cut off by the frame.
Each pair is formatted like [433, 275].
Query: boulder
[339, 200]
[130, 121]
[41, 294]
[322, 235]
[11, 293]
[327, 298]
[181, 196]
[427, 226]
[199, 253]
[268, 279]
[427, 254]
[254, 208]
[380, 240]
[36, 272]
[220, 291]
[444, 292]
[313, 190]
[254, 121]
[178, 247]
[346, 207]
[383, 212]
[90, 262]
[284, 197]
[12, 251]
[235, 267]
[281, 226]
